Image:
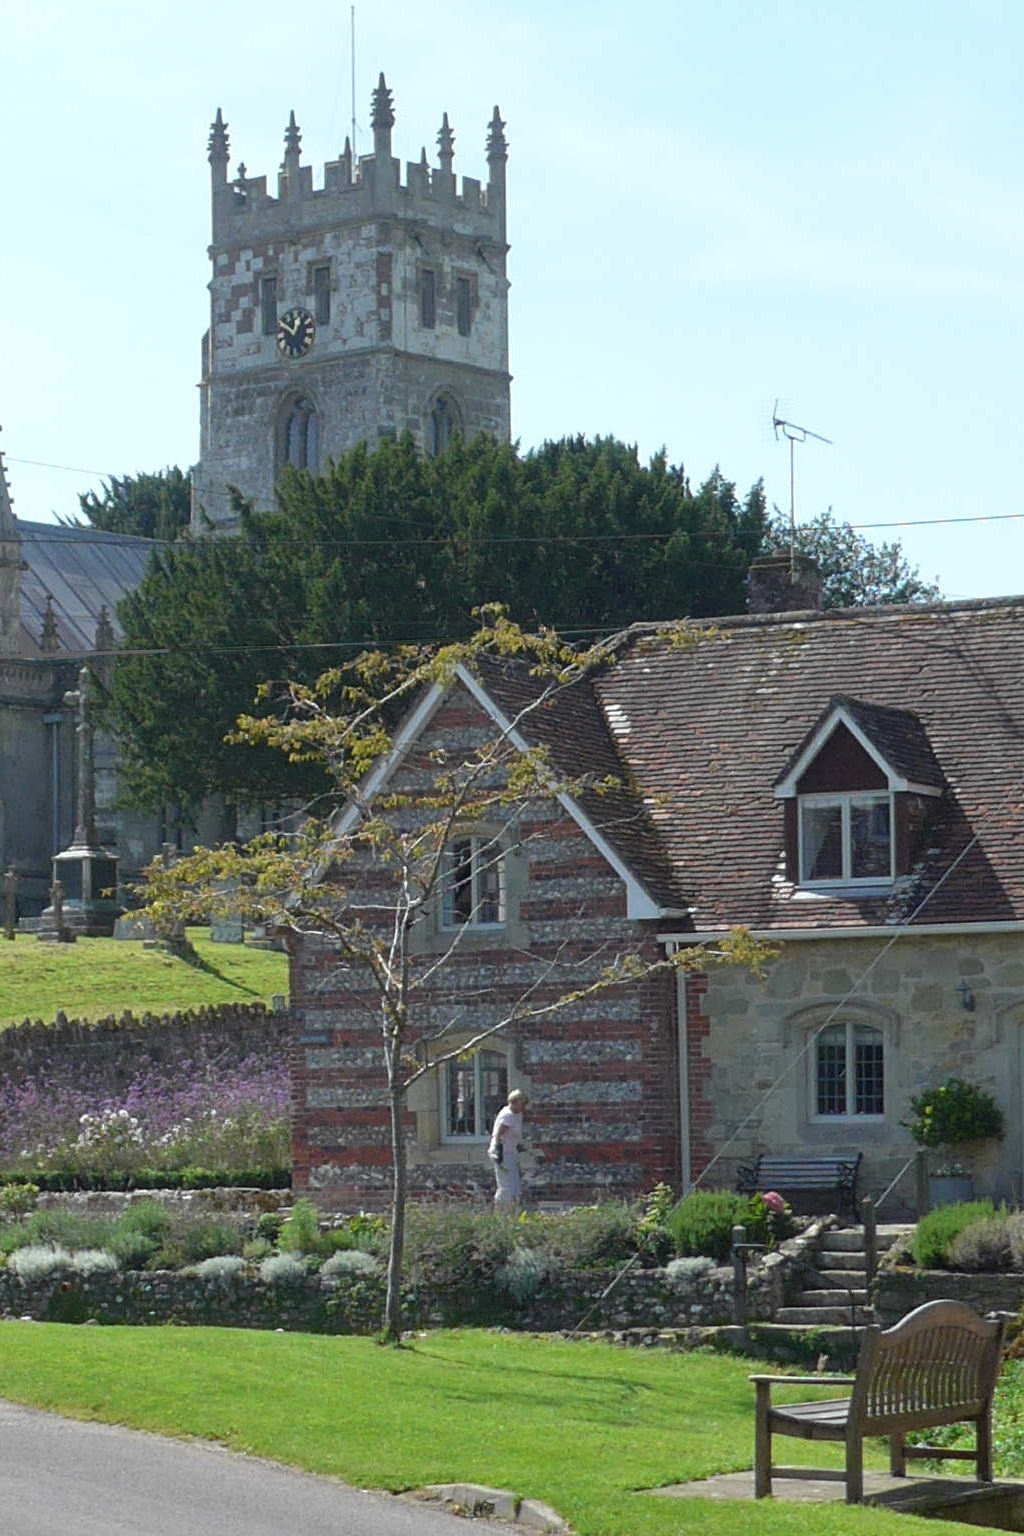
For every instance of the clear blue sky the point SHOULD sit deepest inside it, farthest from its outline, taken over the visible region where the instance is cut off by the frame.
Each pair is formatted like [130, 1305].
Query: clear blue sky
[711, 207]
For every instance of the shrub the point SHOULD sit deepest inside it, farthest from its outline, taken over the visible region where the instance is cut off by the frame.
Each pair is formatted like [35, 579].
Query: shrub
[94, 1261]
[1015, 1227]
[269, 1225]
[683, 1272]
[452, 1247]
[983, 1246]
[39, 1260]
[584, 1238]
[148, 1217]
[353, 1262]
[133, 1249]
[191, 1240]
[301, 1232]
[221, 1269]
[18, 1199]
[282, 1269]
[59, 1228]
[257, 1249]
[702, 1223]
[367, 1230]
[651, 1235]
[936, 1231]
[140, 1233]
[523, 1273]
[954, 1112]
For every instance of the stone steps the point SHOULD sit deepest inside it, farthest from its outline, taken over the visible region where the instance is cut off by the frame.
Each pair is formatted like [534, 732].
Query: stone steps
[838, 1296]
[840, 1279]
[816, 1316]
[835, 1292]
[844, 1261]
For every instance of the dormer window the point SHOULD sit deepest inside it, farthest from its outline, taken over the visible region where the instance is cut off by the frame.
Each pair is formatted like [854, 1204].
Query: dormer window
[845, 838]
[855, 792]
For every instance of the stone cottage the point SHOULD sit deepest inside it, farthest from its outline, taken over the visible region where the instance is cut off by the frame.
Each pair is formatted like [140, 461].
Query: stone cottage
[847, 785]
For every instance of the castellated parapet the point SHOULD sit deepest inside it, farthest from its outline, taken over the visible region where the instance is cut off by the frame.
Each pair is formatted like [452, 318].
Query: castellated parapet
[393, 298]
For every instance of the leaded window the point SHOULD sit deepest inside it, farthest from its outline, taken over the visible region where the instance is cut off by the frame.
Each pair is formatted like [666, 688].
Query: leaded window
[849, 1077]
[474, 1091]
[474, 884]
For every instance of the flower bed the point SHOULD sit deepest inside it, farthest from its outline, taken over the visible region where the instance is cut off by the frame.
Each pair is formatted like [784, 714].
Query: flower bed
[178, 1097]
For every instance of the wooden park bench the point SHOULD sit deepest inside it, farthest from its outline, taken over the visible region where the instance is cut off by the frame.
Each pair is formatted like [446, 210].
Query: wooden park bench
[938, 1366]
[803, 1175]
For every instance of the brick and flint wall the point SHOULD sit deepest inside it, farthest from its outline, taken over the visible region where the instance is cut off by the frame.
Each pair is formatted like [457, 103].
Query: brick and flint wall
[602, 1075]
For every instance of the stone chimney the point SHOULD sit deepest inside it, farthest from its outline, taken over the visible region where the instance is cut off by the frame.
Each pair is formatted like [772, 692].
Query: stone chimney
[782, 583]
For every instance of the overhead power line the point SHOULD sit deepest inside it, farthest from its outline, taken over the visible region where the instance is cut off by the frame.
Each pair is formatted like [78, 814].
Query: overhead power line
[109, 539]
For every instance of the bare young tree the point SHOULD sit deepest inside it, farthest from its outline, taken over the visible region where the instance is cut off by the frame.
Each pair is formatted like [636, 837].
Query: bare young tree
[366, 875]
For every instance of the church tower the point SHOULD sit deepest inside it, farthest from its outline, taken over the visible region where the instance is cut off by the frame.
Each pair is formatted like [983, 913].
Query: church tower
[350, 312]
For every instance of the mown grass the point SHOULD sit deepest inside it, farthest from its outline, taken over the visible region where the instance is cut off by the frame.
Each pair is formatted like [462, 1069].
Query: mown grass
[581, 1426]
[96, 977]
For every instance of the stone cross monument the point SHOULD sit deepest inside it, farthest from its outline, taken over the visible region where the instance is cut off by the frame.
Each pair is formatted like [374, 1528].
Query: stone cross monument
[86, 870]
[81, 699]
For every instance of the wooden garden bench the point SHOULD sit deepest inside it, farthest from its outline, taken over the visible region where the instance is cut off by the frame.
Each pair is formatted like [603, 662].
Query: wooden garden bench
[938, 1366]
[802, 1175]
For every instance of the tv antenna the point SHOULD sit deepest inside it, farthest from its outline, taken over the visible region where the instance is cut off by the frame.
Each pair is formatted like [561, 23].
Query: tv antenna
[793, 435]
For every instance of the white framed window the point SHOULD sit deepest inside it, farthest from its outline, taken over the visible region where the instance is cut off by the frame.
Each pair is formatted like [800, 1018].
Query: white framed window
[473, 890]
[849, 1072]
[846, 839]
[472, 1092]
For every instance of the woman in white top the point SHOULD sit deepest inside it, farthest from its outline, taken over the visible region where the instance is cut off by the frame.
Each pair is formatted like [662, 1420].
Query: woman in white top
[503, 1151]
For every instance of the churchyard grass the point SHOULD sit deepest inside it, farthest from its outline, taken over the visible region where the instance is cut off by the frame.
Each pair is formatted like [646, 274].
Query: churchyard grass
[581, 1426]
[96, 977]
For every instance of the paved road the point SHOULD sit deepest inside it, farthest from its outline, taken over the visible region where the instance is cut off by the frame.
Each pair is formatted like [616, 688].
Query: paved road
[62, 1478]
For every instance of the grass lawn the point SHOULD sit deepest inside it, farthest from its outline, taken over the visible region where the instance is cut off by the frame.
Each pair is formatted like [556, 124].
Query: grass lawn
[99, 976]
[581, 1426]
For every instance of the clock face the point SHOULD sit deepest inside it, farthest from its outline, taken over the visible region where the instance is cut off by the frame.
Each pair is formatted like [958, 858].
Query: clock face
[295, 332]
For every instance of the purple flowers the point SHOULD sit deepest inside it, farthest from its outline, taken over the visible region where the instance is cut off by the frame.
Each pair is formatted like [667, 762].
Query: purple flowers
[163, 1114]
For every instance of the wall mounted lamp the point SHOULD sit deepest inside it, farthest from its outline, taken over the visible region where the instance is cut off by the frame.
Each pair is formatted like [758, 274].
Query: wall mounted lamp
[966, 996]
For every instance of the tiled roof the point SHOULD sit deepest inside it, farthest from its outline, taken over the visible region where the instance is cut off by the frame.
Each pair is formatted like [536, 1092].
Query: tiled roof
[82, 570]
[897, 734]
[582, 741]
[706, 733]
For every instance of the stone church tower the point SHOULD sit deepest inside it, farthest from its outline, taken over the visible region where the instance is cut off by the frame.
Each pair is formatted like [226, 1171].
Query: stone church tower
[351, 312]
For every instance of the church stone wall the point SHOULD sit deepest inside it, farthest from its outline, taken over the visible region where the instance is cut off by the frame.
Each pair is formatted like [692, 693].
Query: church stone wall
[374, 369]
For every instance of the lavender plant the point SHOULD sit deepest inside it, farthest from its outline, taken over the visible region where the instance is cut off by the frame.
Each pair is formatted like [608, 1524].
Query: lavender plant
[165, 1115]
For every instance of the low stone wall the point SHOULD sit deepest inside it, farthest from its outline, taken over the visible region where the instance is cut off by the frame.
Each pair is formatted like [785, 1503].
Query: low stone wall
[643, 1299]
[236, 1199]
[110, 1048]
[896, 1292]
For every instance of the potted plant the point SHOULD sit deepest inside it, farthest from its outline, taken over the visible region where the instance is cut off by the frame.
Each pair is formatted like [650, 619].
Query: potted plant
[946, 1118]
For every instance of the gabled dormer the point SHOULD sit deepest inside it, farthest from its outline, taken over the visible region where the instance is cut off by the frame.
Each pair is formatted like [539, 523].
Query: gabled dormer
[857, 792]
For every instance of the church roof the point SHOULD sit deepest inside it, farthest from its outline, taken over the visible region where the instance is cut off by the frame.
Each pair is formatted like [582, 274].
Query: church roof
[81, 570]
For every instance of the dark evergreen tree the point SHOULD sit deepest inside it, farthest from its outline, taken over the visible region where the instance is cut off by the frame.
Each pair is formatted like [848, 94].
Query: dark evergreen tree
[154, 506]
[389, 545]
